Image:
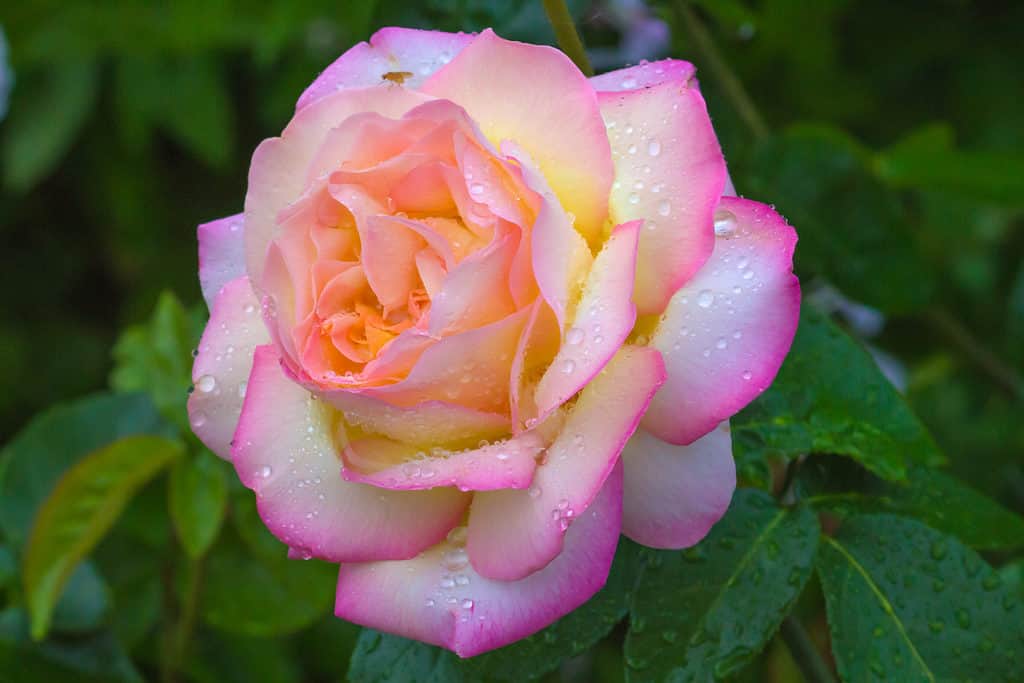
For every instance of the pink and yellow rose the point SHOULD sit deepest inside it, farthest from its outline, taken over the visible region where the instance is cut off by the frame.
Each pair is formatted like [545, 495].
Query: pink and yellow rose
[479, 316]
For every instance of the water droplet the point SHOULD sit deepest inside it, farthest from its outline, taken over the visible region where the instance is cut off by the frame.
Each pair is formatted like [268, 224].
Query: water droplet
[725, 223]
[574, 336]
[747, 375]
[457, 535]
[242, 388]
[533, 491]
[568, 367]
[195, 352]
[721, 343]
[467, 604]
[664, 207]
[206, 383]
[634, 198]
[249, 308]
[705, 298]
[654, 148]
[429, 602]
[476, 189]
[266, 471]
[454, 559]
[501, 455]
[631, 149]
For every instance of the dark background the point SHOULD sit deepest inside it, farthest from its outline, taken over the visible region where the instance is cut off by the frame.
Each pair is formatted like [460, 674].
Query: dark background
[893, 140]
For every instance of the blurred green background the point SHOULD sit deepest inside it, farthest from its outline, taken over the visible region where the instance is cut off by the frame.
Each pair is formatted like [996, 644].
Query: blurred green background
[890, 134]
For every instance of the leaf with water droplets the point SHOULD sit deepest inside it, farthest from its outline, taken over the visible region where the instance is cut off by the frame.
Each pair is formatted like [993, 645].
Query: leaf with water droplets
[908, 603]
[830, 397]
[842, 487]
[701, 614]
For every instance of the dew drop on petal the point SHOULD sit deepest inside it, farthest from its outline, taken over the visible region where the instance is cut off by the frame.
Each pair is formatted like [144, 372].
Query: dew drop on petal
[574, 336]
[568, 367]
[206, 383]
[664, 207]
[725, 223]
[705, 298]
[654, 148]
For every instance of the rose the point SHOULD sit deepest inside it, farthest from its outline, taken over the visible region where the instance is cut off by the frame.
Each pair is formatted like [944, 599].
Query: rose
[464, 276]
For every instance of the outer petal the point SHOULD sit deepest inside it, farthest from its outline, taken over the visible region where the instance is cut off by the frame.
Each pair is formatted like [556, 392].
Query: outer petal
[284, 451]
[439, 599]
[604, 318]
[278, 173]
[413, 53]
[725, 333]
[221, 369]
[507, 464]
[669, 170]
[515, 533]
[221, 254]
[528, 93]
[674, 494]
[645, 75]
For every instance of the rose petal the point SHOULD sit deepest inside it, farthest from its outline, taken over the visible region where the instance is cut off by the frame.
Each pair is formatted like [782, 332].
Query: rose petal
[221, 368]
[675, 494]
[725, 333]
[669, 171]
[507, 464]
[426, 424]
[604, 318]
[470, 369]
[645, 75]
[533, 522]
[528, 93]
[411, 53]
[221, 254]
[560, 255]
[438, 598]
[475, 292]
[278, 173]
[284, 451]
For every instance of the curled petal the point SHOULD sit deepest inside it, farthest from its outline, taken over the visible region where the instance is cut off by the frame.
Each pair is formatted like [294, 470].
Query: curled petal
[533, 522]
[497, 82]
[669, 171]
[221, 368]
[507, 464]
[675, 494]
[221, 254]
[604, 318]
[285, 452]
[725, 333]
[440, 599]
[410, 56]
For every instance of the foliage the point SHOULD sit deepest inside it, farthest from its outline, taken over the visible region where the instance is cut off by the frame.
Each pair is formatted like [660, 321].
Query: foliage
[884, 520]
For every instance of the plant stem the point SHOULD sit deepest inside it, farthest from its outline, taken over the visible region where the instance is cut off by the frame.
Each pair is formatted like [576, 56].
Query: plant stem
[565, 32]
[709, 56]
[189, 606]
[961, 337]
[806, 656]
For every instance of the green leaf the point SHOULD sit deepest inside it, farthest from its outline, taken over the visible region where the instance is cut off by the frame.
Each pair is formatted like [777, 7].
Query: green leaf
[830, 397]
[198, 499]
[852, 229]
[156, 357]
[82, 507]
[908, 603]
[703, 613]
[226, 658]
[927, 159]
[258, 596]
[935, 498]
[56, 439]
[48, 109]
[384, 658]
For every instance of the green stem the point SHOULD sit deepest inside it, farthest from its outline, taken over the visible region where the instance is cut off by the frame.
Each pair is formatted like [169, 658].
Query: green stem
[804, 653]
[189, 607]
[565, 33]
[961, 337]
[709, 56]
